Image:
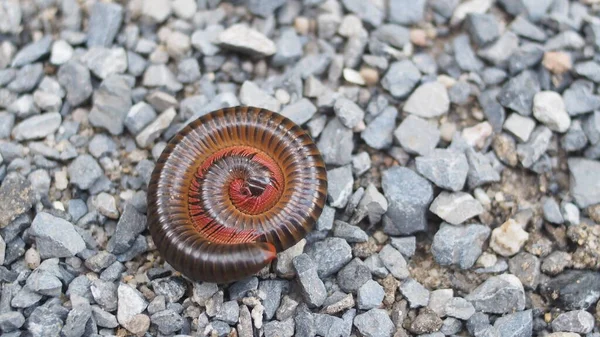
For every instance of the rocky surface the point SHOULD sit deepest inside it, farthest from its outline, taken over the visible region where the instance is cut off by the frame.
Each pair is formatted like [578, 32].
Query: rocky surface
[462, 143]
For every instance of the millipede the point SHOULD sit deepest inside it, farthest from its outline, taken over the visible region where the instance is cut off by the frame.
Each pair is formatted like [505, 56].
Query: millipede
[231, 190]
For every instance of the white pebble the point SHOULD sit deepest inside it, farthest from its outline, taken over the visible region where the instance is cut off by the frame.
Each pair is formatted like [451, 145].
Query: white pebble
[549, 108]
[478, 134]
[353, 76]
[61, 52]
[282, 96]
[32, 258]
[508, 239]
[487, 260]
[482, 197]
[60, 180]
[257, 315]
[570, 213]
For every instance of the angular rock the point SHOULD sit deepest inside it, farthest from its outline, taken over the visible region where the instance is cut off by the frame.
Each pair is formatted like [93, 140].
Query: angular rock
[394, 262]
[25, 298]
[589, 69]
[518, 93]
[100, 261]
[348, 112]
[579, 98]
[401, 78]
[138, 117]
[151, 132]
[339, 187]
[11, 321]
[188, 70]
[77, 319]
[350, 233]
[289, 48]
[112, 102]
[498, 295]
[526, 267]
[460, 245]
[283, 266]
[518, 324]
[327, 325]
[131, 303]
[84, 171]
[425, 322]
[103, 318]
[465, 8]
[273, 290]
[264, 8]
[500, 51]
[299, 112]
[159, 75]
[55, 237]
[330, 255]
[353, 276]
[168, 321]
[447, 169]
[585, 181]
[246, 40]
[157, 10]
[579, 321]
[252, 95]
[549, 108]
[428, 100]
[526, 56]
[415, 293]
[16, 197]
[573, 289]
[104, 62]
[103, 26]
[361, 163]
[395, 35]
[11, 11]
[277, 328]
[378, 133]
[409, 196]
[374, 323]
[27, 78]
[130, 225]
[32, 52]
[313, 289]
[406, 12]
[37, 127]
[552, 211]
[483, 28]
[456, 208]
[417, 135]
[524, 28]
[538, 143]
[202, 292]
[568, 39]
[465, 57]
[370, 295]
[520, 126]
[75, 78]
[367, 11]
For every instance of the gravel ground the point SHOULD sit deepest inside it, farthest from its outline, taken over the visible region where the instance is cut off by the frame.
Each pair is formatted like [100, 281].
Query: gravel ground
[462, 140]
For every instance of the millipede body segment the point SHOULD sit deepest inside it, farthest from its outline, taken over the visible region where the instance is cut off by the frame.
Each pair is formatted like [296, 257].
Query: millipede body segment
[231, 190]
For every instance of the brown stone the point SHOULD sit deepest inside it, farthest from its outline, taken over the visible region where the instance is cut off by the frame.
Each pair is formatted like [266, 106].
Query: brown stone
[557, 62]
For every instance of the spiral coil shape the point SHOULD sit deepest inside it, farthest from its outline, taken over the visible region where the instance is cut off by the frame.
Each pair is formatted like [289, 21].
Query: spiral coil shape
[232, 189]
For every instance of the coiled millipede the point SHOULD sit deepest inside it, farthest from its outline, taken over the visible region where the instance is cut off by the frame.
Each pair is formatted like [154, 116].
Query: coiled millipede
[232, 189]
